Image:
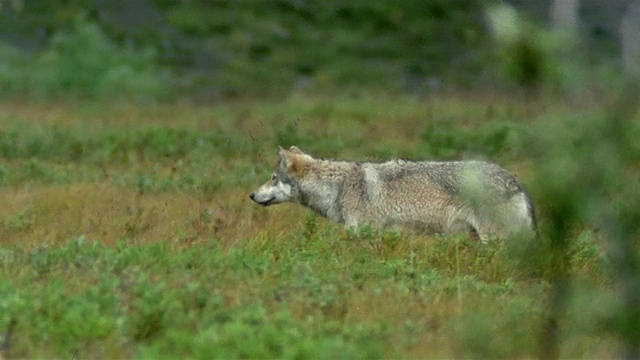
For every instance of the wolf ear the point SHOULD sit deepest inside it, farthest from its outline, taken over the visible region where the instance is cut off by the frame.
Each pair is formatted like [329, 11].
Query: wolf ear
[283, 153]
[292, 160]
[283, 156]
[293, 149]
[296, 150]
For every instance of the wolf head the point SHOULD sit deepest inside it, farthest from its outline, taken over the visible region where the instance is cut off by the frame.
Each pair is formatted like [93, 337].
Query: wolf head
[283, 184]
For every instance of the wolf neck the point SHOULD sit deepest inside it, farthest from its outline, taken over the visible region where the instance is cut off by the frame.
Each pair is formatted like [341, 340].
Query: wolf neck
[322, 188]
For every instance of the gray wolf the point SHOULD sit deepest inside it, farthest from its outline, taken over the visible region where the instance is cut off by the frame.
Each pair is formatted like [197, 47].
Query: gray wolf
[432, 196]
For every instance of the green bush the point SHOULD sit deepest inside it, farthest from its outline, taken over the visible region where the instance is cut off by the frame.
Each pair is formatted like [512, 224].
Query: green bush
[493, 139]
[261, 47]
[82, 63]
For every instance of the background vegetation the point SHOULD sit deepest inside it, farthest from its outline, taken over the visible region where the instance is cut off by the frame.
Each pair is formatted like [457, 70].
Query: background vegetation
[239, 48]
[126, 230]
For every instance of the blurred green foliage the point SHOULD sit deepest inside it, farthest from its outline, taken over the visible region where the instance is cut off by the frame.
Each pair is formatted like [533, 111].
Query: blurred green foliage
[504, 139]
[335, 44]
[82, 63]
[242, 47]
[587, 163]
[157, 300]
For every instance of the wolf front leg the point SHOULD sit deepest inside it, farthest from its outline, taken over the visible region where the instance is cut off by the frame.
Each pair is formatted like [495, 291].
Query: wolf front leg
[350, 223]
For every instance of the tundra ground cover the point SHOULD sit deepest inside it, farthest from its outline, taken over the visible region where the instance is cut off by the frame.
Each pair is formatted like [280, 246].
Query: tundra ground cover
[127, 232]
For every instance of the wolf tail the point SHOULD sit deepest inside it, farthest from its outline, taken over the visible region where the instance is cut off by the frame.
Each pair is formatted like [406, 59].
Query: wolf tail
[523, 216]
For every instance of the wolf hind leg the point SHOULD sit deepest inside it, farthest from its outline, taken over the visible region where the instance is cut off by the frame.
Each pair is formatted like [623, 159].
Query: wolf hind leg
[485, 230]
[461, 226]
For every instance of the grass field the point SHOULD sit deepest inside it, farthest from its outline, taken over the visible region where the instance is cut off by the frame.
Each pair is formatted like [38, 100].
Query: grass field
[127, 232]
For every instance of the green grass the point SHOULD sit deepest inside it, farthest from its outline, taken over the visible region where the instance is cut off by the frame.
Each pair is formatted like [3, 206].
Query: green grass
[127, 232]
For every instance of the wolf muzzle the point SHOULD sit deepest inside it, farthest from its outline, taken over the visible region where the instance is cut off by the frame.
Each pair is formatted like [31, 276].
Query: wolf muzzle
[252, 196]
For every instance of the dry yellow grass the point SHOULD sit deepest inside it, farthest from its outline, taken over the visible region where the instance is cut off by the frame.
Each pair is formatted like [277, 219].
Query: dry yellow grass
[52, 215]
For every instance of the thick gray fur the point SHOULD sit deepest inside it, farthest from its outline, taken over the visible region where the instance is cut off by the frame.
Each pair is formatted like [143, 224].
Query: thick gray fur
[432, 196]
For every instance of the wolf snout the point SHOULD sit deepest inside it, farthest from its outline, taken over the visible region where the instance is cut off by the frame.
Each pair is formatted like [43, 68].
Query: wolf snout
[260, 200]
